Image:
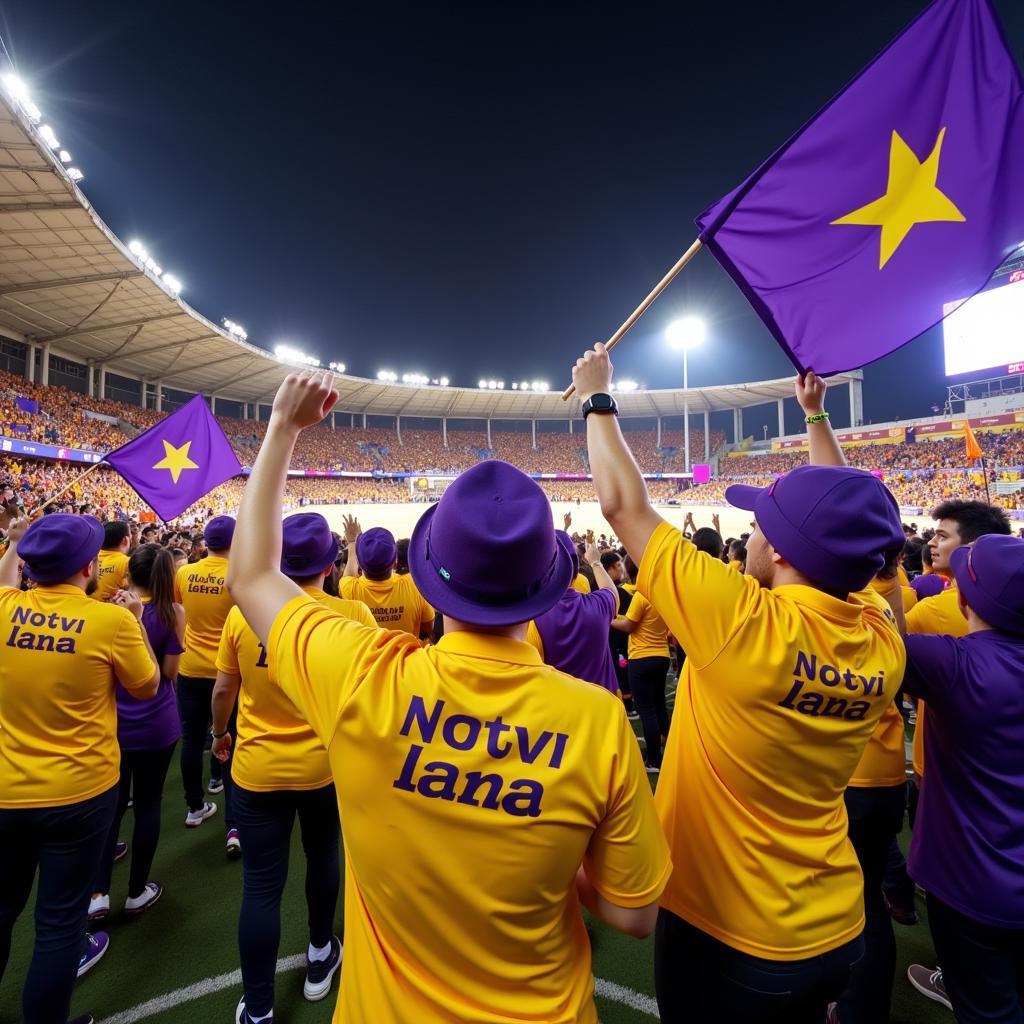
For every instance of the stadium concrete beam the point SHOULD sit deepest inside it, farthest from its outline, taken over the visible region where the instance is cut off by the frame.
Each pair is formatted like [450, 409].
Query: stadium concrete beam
[39, 286]
[95, 328]
[36, 207]
[99, 305]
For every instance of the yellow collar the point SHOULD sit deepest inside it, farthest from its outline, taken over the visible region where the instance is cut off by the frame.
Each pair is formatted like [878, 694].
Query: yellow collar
[494, 648]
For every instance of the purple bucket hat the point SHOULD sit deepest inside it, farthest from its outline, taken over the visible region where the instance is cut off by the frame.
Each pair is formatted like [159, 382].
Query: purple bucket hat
[833, 523]
[990, 575]
[376, 550]
[218, 533]
[55, 547]
[486, 553]
[308, 546]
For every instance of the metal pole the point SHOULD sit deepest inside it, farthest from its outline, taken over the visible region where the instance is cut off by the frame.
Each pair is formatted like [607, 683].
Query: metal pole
[533, 423]
[686, 411]
[707, 436]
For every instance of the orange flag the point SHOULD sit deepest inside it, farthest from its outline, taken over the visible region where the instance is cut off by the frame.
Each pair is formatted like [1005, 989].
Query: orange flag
[973, 448]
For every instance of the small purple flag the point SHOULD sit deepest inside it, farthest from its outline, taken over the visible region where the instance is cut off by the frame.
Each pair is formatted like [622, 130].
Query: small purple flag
[29, 405]
[177, 461]
[903, 194]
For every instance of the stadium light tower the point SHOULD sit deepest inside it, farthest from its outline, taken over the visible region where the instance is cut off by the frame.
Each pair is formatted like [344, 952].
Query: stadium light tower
[686, 334]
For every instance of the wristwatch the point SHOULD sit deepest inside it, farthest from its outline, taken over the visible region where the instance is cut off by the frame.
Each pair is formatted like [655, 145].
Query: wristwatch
[600, 403]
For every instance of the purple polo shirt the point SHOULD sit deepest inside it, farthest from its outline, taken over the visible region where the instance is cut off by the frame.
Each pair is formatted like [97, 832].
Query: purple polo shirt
[575, 636]
[151, 724]
[968, 845]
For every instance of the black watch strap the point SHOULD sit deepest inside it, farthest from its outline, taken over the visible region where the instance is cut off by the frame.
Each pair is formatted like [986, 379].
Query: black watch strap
[600, 403]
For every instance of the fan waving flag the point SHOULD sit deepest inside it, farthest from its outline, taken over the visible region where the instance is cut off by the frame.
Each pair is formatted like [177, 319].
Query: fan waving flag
[179, 460]
[903, 194]
[973, 449]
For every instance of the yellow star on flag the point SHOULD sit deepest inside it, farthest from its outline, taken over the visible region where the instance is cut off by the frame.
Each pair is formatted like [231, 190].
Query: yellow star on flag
[912, 197]
[176, 459]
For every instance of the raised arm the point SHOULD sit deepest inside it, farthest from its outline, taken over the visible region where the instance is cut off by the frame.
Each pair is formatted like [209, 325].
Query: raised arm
[617, 478]
[255, 579]
[601, 577]
[352, 530]
[9, 563]
[823, 448]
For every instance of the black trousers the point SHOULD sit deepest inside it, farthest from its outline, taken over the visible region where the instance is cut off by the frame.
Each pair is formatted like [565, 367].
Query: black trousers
[700, 980]
[265, 823]
[647, 683]
[142, 781]
[194, 696]
[65, 844]
[982, 966]
[876, 817]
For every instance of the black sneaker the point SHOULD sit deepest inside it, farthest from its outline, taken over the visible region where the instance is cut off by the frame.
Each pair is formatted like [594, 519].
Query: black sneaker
[320, 972]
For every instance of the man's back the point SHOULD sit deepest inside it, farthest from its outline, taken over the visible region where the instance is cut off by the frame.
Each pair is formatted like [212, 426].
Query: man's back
[201, 587]
[571, 636]
[779, 695]
[472, 780]
[395, 602]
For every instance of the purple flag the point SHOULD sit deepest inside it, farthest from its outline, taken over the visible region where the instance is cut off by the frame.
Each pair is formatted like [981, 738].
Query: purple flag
[177, 461]
[904, 193]
[29, 405]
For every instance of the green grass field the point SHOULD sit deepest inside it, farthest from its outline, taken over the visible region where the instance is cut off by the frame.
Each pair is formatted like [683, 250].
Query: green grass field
[179, 956]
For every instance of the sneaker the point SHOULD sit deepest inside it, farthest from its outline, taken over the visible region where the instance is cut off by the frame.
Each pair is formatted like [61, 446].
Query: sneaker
[87, 1018]
[653, 769]
[120, 850]
[99, 907]
[633, 716]
[215, 786]
[320, 972]
[233, 846]
[899, 910]
[97, 945]
[195, 818]
[242, 1015]
[135, 905]
[929, 983]
[832, 1014]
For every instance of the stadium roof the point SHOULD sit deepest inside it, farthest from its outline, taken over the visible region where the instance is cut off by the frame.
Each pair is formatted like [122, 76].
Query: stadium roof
[67, 281]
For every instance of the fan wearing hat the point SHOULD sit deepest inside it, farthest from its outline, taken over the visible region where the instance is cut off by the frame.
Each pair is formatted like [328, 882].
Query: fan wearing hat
[62, 657]
[112, 573]
[787, 673]
[967, 850]
[392, 598]
[484, 794]
[281, 772]
[572, 635]
[201, 587]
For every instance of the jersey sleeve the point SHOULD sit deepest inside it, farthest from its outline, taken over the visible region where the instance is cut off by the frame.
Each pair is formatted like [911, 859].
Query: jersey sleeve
[320, 658]
[132, 664]
[227, 652]
[347, 587]
[627, 859]
[932, 663]
[702, 601]
[604, 600]
[637, 607]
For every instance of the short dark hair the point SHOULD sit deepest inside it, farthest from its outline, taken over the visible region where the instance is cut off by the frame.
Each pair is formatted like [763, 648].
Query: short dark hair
[973, 519]
[708, 539]
[114, 531]
[609, 558]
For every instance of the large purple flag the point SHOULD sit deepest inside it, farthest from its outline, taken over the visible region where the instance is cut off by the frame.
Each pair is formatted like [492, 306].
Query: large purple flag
[904, 193]
[177, 461]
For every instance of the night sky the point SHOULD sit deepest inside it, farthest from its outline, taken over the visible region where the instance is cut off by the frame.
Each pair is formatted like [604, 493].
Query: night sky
[461, 190]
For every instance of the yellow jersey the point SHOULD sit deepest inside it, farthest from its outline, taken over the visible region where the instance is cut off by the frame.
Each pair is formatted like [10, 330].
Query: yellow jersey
[778, 697]
[939, 615]
[62, 654]
[395, 602]
[472, 781]
[581, 583]
[650, 638]
[112, 574]
[275, 747]
[201, 588]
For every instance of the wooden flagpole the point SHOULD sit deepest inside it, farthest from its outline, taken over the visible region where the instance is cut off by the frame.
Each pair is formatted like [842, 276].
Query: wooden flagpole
[984, 474]
[642, 308]
[67, 487]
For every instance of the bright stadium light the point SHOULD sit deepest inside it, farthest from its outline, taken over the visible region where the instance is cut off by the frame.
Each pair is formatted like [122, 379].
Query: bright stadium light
[388, 376]
[415, 378]
[15, 88]
[686, 333]
[626, 385]
[236, 331]
[75, 174]
[540, 385]
[65, 157]
[47, 134]
[492, 385]
[288, 354]
[172, 284]
[337, 367]
[481, 384]
[136, 248]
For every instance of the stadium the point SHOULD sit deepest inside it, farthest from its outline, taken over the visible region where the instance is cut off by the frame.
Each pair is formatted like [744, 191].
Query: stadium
[97, 345]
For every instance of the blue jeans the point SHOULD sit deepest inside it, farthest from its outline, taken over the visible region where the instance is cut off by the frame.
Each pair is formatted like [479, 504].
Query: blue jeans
[265, 822]
[65, 844]
[982, 966]
[700, 980]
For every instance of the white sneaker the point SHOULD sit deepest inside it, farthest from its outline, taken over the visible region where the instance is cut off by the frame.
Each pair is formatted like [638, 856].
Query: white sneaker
[135, 905]
[195, 818]
[99, 907]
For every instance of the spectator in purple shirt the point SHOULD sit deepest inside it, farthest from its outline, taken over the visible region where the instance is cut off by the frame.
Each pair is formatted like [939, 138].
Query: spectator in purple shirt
[147, 731]
[573, 635]
[968, 845]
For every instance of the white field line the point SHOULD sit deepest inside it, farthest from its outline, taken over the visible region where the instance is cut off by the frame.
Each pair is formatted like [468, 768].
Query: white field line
[233, 979]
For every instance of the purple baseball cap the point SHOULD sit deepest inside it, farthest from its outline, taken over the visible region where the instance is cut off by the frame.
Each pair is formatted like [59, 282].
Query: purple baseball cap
[218, 533]
[990, 575]
[308, 546]
[567, 542]
[376, 550]
[55, 547]
[832, 523]
[486, 553]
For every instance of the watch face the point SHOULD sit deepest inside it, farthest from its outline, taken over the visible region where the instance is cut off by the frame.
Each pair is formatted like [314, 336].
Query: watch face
[601, 402]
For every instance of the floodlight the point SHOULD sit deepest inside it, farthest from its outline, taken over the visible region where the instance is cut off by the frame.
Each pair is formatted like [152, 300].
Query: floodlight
[172, 283]
[337, 367]
[75, 174]
[16, 88]
[46, 133]
[443, 382]
[687, 333]
[287, 354]
[625, 385]
[540, 385]
[481, 384]
[501, 384]
[492, 384]
[235, 330]
[65, 157]
[136, 248]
